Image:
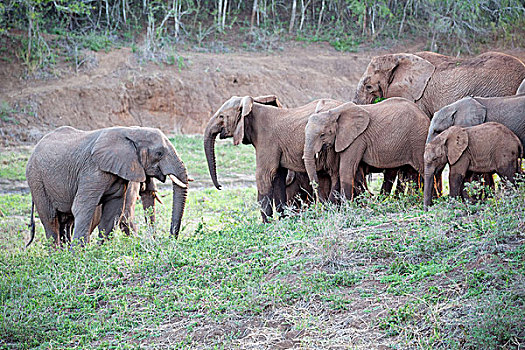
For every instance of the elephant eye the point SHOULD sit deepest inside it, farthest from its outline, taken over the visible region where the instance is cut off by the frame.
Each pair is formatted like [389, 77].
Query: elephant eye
[369, 87]
[322, 134]
[159, 154]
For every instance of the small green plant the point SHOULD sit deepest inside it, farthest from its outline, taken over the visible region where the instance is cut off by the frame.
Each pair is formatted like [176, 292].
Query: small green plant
[378, 99]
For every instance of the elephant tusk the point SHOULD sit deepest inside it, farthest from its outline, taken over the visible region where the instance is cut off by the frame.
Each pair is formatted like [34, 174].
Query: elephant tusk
[157, 197]
[177, 181]
[317, 155]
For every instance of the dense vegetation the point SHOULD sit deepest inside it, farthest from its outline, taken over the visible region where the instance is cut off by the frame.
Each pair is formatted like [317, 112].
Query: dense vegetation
[376, 271]
[43, 30]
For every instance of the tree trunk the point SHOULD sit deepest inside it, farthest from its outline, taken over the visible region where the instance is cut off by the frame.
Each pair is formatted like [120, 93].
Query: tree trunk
[292, 18]
[320, 18]
[254, 12]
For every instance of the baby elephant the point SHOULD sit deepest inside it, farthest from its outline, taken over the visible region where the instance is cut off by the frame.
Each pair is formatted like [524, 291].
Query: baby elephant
[485, 148]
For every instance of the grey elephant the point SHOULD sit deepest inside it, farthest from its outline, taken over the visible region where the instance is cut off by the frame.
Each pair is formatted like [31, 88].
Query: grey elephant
[278, 137]
[433, 81]
[486, 148]
[386, 135]
[76, 175]
[470, 111]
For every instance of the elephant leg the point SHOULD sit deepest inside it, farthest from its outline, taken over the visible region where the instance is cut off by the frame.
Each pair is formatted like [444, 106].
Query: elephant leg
[407, 175]
[348, 177]
[348, 165]
[488, 180]
[47, 214]
[66, 223]
[111, 213]
[279, 189]
[456, 182]
[266, 169]
[388, 182]
[335, 189]
[360, 185]
[84, 210]
[457, 178]
[265, 201]
[508, 173]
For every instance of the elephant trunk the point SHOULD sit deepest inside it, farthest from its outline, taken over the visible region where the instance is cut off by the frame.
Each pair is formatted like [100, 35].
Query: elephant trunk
[309, 160]
[179, 202]
[174, 169]
[429, 184]
[209, 148]
[360, 96]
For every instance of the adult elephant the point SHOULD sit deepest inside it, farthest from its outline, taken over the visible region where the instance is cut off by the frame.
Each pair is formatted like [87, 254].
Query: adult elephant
[277, 135]
[71, 173]
[433, 81]
[386, 135]
[470, 111]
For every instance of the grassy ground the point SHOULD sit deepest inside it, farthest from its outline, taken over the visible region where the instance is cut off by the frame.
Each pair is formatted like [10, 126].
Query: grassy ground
[370, 273]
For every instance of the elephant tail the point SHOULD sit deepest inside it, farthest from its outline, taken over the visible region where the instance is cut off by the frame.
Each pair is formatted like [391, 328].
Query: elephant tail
[32, 224]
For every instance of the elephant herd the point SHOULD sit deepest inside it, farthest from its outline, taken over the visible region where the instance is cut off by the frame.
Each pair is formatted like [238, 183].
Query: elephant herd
[395, 123]
[411, 115]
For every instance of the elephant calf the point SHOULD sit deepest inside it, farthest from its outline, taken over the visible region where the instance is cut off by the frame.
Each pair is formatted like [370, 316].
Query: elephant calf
[75, 176]
[485, 148]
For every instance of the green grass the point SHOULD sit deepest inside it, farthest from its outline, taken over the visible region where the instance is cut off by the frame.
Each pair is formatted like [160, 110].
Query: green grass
[378, 271]
[13, 164]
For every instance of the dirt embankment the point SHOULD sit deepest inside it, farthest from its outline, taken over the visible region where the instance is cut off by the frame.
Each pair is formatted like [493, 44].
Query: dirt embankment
[118, 90]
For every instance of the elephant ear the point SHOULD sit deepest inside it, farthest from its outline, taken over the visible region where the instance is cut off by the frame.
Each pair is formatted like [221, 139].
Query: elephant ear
[270, 100]
[245, 108]
[469, 112]
[457, 142]
[352, 122]
[408, 76]
[115, 152]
